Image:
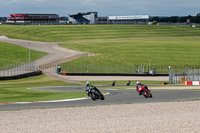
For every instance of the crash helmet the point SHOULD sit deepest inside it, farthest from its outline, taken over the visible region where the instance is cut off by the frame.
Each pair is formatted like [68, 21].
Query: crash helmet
[87, 84]
[138, 82]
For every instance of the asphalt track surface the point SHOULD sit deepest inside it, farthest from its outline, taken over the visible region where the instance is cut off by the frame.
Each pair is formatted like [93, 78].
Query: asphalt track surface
[114, 97]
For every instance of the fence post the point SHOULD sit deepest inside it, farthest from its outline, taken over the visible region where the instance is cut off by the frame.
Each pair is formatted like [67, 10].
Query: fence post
[11, 72]
[170, 77]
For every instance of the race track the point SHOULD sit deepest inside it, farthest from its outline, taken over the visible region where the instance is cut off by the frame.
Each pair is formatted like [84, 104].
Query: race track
[112, 97]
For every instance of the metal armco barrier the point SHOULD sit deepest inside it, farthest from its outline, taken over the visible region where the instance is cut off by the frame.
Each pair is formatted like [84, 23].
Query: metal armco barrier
[23, 70]
[19, 69]
[36, 73]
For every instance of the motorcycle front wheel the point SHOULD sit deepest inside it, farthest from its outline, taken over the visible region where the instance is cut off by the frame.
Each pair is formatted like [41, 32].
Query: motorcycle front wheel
[93, 97]
[144, 94]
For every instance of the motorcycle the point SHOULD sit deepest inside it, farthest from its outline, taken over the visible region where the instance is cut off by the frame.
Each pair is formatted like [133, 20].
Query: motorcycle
[94, 93]
[144, 91]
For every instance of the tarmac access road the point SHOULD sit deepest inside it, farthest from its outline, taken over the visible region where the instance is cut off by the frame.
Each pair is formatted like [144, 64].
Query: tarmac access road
[112, 97]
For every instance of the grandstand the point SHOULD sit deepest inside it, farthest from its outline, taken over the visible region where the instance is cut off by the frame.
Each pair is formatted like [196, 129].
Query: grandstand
[83, 18]
[33, 19]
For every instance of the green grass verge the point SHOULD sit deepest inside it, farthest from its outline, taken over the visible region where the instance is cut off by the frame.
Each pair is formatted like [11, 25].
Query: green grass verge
[16, 90]
[13, 54]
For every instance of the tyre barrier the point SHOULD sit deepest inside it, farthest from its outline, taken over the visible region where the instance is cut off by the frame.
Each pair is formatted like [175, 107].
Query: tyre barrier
[35, 73]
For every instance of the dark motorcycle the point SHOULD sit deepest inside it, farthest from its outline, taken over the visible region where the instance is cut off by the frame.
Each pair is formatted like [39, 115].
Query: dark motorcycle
[94, 93]
[144, 91]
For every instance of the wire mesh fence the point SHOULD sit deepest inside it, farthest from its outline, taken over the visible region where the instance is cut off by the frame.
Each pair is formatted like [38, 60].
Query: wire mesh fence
[189, 75]
[120, 68]
[23, 68]
[177, 78]
[17, 69]
[193, 75]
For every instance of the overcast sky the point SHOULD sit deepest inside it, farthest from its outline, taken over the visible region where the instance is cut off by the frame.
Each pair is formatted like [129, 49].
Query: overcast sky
[104, 7]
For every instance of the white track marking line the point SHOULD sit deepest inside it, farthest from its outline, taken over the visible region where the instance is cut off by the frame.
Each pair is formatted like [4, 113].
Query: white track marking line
[53, 101]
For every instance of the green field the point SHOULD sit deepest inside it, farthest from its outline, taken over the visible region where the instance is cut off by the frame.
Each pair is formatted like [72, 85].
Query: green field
[13, 54]
[119, 46]
[65, 33]
[17, 90]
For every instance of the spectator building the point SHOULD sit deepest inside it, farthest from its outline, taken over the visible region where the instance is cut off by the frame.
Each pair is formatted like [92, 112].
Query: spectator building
[33, 19]
[103, 20]
[83, 18]
[134, 19]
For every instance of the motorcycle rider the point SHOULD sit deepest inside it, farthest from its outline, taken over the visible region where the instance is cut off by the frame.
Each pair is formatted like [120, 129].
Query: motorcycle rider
[89, 87]
[138, 84]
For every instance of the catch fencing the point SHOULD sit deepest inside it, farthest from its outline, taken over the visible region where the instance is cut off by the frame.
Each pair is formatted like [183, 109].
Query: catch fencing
[189, 75]
[24, 68]
[193, 75]
[120, 68]
[19, 69]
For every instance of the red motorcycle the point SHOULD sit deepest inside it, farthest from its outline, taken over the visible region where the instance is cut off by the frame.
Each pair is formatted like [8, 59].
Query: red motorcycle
[142, 90]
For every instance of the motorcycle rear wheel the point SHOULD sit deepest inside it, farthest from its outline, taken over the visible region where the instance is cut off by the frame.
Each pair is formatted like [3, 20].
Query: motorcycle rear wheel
[102, 97]
[150, 95]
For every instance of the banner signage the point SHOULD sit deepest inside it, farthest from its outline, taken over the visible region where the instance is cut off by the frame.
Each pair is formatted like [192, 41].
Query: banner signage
[128, 17]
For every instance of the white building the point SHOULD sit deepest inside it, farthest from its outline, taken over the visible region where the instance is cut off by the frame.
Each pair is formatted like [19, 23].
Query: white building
[133, 19]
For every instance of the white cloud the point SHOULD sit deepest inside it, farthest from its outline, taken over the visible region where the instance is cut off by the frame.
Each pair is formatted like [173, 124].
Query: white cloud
[88, 2]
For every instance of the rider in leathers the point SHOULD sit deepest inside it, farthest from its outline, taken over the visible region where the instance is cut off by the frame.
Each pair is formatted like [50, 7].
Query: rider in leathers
[89, 87]
[138, 84]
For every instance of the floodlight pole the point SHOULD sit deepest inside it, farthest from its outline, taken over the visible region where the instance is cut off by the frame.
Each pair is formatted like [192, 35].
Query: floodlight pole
[149, 63]
[29, 54]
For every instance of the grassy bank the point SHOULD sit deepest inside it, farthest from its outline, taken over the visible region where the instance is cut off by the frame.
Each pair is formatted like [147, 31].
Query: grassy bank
[63, 33]
[16, 90]
[120, 47]
[122, 55]
[13, 54]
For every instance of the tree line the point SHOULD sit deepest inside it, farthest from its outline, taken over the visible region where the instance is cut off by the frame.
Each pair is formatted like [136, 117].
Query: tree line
[177, 19]
[2, 19]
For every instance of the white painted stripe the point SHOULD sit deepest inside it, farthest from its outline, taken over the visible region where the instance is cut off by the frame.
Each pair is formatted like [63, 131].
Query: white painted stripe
[22, 103]
[53, 101]
[66, 100]
[195, 82]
